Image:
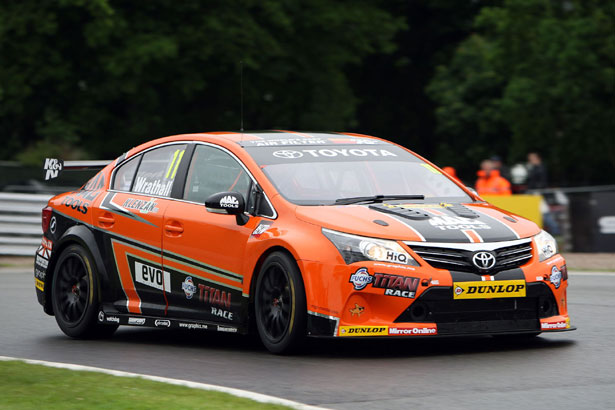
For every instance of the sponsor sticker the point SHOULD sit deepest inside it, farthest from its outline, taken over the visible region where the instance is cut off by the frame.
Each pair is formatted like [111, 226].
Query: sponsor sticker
[333, 152]
[214, 296]
[188, 287]
[489, 289]
[43, 253]
[40, 285]
[152, 276]
[192, 325]
[142, 206]
[162, 323]
[139, 321]
[261, 228]
[414, 330]
[115, 319]
[227, 329]
[556, 277]
[360, 279]
[53, 224]
[357, 310]
[363, 331]
[396, 285]
[52, 168]
[224, 314]
[562, 324]
[456, 222]
[229, 201]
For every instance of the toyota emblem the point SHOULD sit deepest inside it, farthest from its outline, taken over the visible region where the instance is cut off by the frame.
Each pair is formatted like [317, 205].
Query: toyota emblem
[288, 154]
[483, 260]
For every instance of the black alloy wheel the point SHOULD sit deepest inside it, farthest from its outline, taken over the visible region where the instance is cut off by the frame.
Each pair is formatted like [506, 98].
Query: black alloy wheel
[280, 305]
[74, 295]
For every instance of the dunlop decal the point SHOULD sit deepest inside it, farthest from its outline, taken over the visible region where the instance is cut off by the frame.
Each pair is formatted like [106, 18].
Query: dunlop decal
[489, 289]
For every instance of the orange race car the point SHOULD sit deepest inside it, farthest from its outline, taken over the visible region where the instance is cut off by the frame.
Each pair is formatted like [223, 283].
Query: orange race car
[300, 234]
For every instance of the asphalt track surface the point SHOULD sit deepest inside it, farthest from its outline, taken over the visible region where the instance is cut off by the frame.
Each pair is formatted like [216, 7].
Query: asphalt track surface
[572, 370]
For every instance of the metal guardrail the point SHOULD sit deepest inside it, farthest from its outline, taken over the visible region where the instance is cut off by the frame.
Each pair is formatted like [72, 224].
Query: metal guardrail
[20, 223]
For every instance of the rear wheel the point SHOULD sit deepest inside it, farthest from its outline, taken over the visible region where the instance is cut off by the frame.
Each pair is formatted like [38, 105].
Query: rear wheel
[74, 295]
[280, 305]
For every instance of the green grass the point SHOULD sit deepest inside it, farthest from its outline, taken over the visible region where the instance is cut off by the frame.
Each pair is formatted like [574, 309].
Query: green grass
[27, 386]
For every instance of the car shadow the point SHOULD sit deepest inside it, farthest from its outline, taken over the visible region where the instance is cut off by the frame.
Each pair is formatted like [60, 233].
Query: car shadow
[332, 348]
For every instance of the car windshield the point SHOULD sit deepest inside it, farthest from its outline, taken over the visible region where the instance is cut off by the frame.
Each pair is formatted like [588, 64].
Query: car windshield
[326, 174]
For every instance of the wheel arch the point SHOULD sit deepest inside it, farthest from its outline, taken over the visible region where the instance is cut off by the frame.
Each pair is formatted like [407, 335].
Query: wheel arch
[75, 235]
[256, 271]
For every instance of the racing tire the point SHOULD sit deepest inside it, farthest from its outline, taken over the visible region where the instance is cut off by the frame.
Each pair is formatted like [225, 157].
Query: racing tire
[74, 295]
[280, 304]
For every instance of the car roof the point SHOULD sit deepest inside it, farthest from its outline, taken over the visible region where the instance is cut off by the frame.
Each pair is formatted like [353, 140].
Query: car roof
[247, 139]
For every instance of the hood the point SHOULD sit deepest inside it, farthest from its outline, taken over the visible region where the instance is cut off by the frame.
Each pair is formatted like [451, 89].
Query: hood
[450, 223]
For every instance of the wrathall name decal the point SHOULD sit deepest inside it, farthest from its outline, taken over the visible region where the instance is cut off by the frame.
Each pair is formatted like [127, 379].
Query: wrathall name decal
[334, 152]
[155, 187]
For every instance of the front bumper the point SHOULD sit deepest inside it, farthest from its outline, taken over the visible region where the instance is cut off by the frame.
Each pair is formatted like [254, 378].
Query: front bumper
[421, 302]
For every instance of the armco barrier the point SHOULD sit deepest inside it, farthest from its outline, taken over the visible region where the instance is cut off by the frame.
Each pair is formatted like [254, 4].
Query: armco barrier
[20, 223]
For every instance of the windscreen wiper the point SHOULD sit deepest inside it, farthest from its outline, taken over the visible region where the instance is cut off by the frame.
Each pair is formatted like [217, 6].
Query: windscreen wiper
[375, 199]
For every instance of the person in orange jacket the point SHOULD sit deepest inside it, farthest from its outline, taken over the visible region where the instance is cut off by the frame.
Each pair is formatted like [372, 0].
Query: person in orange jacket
[452, 173]
[490, 182]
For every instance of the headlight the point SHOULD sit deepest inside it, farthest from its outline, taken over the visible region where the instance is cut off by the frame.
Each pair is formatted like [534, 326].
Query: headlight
[546, 245]
[355, 248]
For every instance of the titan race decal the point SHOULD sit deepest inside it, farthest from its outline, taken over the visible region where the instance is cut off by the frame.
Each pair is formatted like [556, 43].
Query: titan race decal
[195, 296]
[489, 289]
[393, 285]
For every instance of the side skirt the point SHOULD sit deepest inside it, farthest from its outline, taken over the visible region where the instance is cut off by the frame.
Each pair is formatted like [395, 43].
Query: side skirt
[112, 317]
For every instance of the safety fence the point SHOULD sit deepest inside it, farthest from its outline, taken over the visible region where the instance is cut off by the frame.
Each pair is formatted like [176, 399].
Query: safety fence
[20, 223]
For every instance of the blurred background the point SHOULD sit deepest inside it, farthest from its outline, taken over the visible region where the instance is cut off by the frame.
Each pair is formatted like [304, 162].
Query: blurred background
[475, 85]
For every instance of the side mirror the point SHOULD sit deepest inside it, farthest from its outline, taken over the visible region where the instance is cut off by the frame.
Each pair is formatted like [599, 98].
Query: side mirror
[229, 203]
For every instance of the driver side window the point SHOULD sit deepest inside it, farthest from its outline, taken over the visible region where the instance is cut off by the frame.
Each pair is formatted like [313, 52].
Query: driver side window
[211, 171]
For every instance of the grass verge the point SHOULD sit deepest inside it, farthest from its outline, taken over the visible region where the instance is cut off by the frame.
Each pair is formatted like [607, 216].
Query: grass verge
[28, 386]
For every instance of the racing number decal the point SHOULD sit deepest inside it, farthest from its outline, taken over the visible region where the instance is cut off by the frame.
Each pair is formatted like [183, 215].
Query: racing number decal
[177, 158]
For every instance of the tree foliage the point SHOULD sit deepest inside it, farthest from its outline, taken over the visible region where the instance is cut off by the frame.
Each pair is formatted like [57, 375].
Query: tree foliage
[106, 75]
[536, 75]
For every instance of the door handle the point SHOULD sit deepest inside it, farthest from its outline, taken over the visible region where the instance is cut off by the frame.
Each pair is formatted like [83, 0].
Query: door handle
[106, 220]
[173, 228]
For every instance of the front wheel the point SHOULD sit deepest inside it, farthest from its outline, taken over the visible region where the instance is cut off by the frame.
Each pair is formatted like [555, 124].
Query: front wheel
[280, 304]
[74, 295]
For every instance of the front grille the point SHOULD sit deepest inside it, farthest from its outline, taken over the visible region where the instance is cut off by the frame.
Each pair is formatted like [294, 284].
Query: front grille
[459, 259]
[437, 305]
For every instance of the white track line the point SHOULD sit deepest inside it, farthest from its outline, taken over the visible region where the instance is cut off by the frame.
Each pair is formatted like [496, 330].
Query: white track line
[262, 398]
[591, 273]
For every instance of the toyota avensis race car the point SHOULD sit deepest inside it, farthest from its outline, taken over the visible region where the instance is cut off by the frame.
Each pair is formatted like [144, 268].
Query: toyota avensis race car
[293, 234]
